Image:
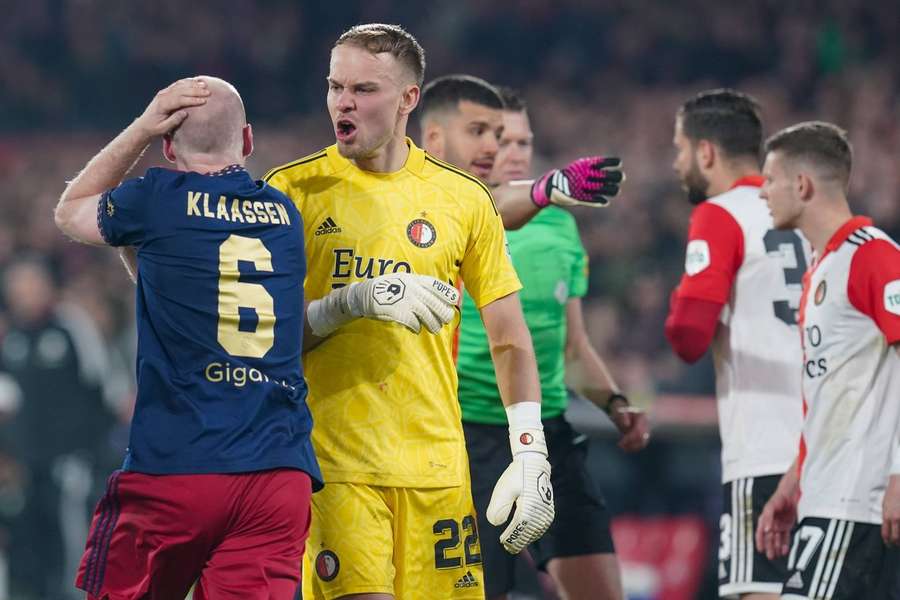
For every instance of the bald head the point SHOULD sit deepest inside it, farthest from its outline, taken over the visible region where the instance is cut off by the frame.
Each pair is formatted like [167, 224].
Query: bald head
[214, 130]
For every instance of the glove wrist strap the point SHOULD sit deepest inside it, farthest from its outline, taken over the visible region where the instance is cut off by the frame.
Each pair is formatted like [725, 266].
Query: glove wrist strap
[526, 432]
[539, 194]
[331, 312]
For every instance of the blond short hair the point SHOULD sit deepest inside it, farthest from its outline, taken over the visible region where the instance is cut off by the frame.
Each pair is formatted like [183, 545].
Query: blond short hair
[380, 37]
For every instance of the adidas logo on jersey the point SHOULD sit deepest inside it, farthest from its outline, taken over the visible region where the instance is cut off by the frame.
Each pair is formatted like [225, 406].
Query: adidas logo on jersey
[327, 226]
[796, 581]
[466, 581]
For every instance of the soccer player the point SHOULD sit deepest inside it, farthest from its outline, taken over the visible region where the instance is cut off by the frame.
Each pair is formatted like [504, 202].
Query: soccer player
[215, 487]
[396, 518]
[739, 294]
[848, 467]
[547, 253]
[471, 106]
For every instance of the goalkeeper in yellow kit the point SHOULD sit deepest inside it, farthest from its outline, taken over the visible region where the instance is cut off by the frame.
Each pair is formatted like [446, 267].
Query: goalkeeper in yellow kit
[389, 231]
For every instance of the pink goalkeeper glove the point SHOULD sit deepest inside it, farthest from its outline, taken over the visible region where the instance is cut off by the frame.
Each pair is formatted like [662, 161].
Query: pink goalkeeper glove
[587, 181]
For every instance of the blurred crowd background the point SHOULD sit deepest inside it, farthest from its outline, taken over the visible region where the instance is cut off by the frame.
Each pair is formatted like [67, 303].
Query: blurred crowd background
[601, 76]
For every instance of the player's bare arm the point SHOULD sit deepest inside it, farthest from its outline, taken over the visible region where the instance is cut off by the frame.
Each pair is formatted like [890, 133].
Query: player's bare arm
[587, 374]
[890, 524]
[589, 181]
[76, 213]
[514, 203]
[511, 349]
[773, 531]
[526, 482]
[405, 298]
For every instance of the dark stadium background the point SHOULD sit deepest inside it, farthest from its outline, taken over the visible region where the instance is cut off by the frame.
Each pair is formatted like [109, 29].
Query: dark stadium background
[602, 76]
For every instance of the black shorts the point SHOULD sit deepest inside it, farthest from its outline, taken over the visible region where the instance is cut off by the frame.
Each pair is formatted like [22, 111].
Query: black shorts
[581, 525]
[743, 570]
[890, 581]
[833, 559]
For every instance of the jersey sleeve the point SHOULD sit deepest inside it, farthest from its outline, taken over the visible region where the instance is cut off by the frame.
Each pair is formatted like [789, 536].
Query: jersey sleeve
[578, 284]
[874, 285]
[715, 251]
[486, 269]
[294, 179]
[691, 325]
[122, 212]
[278, 179]
[281, 181]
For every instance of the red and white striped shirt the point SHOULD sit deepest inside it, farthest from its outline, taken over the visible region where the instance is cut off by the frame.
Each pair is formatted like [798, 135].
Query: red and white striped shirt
[850, 317]
[736, 258]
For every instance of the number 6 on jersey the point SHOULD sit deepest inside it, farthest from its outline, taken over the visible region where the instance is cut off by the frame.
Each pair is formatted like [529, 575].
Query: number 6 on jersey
[235, 294]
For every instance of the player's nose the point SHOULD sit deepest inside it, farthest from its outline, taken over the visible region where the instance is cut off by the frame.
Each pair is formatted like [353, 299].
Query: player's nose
[344, 102]
[490, 146]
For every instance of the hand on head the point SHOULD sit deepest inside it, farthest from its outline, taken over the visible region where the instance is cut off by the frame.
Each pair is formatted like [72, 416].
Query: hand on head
[168, 109]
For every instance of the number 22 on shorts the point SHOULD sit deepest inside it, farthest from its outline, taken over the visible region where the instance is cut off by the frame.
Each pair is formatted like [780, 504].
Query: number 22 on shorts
[444, 547]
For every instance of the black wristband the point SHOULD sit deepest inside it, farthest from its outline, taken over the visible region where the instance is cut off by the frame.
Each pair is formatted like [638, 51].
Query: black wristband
[612, 398]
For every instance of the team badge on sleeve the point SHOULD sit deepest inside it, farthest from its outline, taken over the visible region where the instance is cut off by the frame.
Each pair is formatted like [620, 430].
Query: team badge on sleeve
[697, 258]
[892, 297]
[561, 293]
[421, 233]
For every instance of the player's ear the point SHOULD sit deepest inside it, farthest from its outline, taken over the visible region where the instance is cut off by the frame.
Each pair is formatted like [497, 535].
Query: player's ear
[247, 149]
[706, 154]
[804, 186]
[168, 148]
[409, 99]
[433, 138]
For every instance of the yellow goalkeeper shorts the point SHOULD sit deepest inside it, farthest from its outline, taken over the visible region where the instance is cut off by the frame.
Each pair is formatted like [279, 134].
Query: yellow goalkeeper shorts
[414, 543]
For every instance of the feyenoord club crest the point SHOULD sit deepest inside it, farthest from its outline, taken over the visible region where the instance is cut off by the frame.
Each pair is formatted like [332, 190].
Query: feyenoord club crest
[820, 292]
[327, 565]
[421, 233]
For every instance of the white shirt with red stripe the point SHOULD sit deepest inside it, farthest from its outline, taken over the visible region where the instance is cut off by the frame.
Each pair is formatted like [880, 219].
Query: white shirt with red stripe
[736, 258]
[850, 317]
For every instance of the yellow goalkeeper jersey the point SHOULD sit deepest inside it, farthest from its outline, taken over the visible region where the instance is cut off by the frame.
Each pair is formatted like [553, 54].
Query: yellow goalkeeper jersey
[384, 399]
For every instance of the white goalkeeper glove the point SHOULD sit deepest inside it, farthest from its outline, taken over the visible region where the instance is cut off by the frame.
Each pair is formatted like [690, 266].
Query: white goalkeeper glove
[525, 482]
[405, 298]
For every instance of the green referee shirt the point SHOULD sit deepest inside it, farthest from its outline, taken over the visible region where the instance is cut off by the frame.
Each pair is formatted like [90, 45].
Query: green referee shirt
[552, 265]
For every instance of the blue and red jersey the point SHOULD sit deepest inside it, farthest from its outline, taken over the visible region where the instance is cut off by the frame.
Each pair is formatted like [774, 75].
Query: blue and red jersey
[221, 266]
